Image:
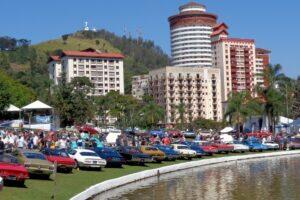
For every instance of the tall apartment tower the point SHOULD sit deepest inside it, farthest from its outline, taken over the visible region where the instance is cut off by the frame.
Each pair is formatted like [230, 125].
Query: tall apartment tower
[191, 31]
[236, 60]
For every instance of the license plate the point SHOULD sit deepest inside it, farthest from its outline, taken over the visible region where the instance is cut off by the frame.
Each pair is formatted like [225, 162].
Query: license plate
[94, 166]
[94, 162]
[11, 178]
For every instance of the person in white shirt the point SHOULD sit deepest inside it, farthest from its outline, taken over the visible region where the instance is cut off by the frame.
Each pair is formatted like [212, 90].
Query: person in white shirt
[35, 142]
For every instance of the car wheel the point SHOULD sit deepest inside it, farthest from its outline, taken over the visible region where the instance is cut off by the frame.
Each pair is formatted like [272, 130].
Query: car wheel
[242, 151]
[76, 165]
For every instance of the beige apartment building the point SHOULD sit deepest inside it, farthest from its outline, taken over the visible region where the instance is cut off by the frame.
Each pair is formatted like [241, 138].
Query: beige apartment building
[105, 70]
[198, 88]
[139, 86]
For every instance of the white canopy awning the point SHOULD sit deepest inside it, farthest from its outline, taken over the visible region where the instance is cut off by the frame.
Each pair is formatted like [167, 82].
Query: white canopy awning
[36, 106]
[285, 120]
[227, 130]
[12, 108]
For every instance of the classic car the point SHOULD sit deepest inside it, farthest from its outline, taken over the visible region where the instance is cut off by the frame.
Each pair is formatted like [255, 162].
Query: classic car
[133, 155]
[86, 158]
[36, 163]
[61, 158]
[255, 144]
[239, 147]
[194, 146]
[169, 152]
[208, 149]
[222, 148]
[189, 134]
[271, 145]
[294, 143]
[154, 152]
[112, 157]
[12, 170]
[175, 133]
[185, 151]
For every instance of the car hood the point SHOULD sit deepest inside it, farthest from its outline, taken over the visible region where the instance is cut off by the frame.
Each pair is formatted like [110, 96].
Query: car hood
[37, 162]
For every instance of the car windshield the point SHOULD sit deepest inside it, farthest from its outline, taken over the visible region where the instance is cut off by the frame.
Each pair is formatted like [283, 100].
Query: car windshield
[32, 155]
[59, 153]
[86, 153]
[182, 147]
[8, 159]
[165, 148]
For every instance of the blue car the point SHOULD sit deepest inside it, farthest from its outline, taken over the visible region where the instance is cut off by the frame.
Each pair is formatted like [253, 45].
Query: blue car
[133, 155]
[159, 133]
[194, 146]
[112, 157]
[170, 153]
[255, 144]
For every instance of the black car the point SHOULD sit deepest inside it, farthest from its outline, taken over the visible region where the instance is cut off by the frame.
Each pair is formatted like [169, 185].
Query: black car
[112, 157]
[133, 155]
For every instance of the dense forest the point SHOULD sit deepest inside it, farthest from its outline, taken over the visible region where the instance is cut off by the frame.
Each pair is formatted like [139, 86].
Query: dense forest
[28, 63]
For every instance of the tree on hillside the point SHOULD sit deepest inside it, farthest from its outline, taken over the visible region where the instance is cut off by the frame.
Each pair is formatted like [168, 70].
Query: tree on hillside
[97, 42]
[5, 98]
[65, 38]
[240, 107]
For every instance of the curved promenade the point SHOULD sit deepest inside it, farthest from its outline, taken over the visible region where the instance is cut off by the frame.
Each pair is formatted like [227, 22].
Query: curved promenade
[121, 181]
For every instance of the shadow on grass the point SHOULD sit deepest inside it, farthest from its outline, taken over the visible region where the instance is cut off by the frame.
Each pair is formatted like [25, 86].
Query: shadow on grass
[16, 184]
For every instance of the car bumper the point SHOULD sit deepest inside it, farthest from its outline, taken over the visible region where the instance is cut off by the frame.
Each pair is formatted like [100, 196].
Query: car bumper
[158, 158]
[65, 166]
[172, 157]
[14, 178]
[141, 160]
[33, 170]
[91, 165]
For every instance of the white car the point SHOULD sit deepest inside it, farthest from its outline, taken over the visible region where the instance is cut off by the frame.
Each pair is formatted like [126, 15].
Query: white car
[1, 183]
[239, 147]
[184, 151]
[271, 145]
[87, 158]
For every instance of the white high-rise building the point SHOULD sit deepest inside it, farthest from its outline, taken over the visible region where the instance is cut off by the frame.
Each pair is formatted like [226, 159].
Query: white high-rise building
[105, 70]
[191, 31]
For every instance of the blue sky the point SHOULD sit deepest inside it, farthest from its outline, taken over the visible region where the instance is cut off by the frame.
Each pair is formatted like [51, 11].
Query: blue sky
[273, 24]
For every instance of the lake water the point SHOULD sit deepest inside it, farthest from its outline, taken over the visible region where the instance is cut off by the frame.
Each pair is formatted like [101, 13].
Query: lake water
[265, 179]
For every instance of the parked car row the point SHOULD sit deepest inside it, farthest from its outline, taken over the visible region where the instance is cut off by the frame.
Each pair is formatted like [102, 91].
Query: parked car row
[27, 163]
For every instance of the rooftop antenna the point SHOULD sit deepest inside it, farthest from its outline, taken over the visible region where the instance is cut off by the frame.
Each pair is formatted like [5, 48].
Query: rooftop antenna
[86, 28]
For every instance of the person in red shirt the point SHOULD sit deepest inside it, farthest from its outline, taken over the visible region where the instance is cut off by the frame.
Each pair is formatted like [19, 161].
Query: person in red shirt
[166, 141]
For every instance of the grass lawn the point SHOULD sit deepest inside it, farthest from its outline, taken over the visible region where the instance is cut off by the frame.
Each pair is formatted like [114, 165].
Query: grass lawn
[67, 185]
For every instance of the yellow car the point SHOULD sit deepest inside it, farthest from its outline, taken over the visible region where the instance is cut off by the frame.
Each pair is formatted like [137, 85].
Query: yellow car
[154, 152]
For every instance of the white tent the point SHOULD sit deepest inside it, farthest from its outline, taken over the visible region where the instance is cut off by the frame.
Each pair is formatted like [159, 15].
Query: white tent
[285, 120]
[36, 106]
[227, 130]
[12, 108]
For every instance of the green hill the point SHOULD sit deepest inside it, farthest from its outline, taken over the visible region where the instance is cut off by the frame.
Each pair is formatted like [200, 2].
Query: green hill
[28, 64]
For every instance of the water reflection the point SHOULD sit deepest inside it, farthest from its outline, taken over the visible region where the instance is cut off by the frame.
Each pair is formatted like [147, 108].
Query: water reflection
[274, 178]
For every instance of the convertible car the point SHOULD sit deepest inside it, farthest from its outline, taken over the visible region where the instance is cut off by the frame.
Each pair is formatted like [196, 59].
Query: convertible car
[169, 152]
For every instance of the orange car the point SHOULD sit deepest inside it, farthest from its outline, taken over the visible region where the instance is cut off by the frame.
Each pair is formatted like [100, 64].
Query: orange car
[154, 152]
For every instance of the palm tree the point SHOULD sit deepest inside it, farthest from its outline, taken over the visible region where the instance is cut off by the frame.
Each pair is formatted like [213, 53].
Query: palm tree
[241, 106]
[181, 112]
[151, 114]
[270, 94]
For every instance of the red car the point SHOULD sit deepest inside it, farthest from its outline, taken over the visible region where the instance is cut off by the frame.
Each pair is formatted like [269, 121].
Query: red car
[207, 148]
[175, 133]
[12, 170]
[61, 157]
[223, 148]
